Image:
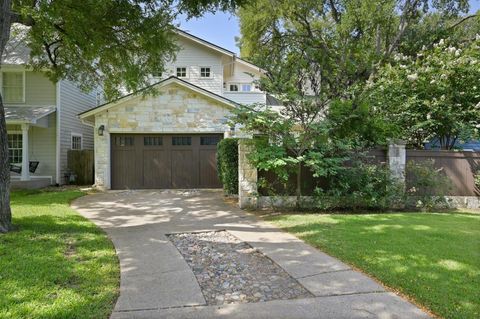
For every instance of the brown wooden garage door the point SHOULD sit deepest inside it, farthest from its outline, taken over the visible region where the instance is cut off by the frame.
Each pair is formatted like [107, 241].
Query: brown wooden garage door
[164, 161]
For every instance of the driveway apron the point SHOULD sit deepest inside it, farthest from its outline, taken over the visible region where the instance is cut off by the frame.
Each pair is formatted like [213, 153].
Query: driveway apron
[157, 282]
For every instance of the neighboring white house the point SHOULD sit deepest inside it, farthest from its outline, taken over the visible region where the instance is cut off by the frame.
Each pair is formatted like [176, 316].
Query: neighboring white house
[169, 140]
[42, 121]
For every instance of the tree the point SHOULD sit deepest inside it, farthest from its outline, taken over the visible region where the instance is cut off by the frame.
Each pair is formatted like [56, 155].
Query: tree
[433, 95]
[115, 43]
[285, 142]
[327, 47]
[316, 52]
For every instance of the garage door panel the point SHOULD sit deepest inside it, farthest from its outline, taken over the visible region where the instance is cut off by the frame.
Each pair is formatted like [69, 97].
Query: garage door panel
[125, 168]
[156, 169]
[208, 169]
[183, 173]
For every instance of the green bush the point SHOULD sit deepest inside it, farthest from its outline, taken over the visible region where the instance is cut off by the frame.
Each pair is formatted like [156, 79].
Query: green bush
[227, 162]
[360, 186]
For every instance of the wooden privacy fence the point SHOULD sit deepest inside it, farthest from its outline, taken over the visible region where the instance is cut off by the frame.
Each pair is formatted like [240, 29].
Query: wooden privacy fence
[81, 164]
[459, 167]
[274, 186]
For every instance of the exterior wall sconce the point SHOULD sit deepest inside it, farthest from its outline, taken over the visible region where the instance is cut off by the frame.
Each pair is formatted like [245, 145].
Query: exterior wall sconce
[101, 129]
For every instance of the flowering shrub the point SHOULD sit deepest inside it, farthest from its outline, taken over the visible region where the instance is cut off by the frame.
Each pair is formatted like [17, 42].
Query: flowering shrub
[433, 95]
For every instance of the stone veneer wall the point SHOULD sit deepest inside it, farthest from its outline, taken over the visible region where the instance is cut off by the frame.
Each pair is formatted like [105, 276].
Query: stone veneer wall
[173, 110]
[247, 177]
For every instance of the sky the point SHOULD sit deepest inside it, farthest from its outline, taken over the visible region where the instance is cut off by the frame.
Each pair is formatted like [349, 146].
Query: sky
[219, 28]
[222, 28]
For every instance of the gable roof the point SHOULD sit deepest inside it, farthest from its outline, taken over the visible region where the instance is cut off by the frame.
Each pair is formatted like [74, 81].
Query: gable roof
[170, 80]
[219, 49]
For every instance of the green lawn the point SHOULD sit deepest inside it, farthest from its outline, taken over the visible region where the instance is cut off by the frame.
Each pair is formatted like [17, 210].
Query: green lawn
[433, 258]
[56, 264]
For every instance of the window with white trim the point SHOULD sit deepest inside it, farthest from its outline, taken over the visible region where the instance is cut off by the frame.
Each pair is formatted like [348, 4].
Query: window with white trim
[13, 87]
[181, 72]
[240, 87]
[15, 148]
[205, 72]
[76, 141]
[247, 87]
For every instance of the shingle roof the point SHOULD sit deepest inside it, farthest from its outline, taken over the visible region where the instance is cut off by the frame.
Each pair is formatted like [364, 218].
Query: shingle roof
[29, 114]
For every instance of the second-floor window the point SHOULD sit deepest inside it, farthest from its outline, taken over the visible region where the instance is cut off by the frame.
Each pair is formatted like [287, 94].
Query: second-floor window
[13, 87]
[205, 72]
[181, 72]
[240, 87]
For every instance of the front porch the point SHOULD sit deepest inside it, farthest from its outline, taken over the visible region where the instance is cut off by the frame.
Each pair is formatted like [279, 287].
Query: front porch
[32, 148]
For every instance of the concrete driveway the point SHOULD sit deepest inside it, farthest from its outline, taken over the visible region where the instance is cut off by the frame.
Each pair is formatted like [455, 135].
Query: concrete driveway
[157, 282]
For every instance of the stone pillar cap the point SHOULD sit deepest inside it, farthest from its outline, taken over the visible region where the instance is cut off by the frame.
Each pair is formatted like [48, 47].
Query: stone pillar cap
[397, 141]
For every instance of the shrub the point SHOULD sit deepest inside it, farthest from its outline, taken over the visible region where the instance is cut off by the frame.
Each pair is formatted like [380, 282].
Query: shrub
[227, 163]
[360, 186]
[426, 185]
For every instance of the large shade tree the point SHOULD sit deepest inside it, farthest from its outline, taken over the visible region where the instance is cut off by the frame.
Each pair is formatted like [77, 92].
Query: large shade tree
[325, 47]
[116, 43]
[321, 51]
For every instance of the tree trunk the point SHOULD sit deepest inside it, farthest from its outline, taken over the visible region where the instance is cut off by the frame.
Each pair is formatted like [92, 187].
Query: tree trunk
[5, 212]
[298, 190]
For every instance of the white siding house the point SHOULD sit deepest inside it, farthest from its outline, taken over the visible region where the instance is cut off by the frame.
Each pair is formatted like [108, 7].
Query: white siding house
[169, 140]
[214, 69]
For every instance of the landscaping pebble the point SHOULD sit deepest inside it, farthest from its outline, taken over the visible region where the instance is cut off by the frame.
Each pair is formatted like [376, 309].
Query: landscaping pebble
[231, 271]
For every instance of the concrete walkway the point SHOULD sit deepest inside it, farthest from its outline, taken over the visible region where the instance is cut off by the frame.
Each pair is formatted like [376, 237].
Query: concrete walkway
[156, 282]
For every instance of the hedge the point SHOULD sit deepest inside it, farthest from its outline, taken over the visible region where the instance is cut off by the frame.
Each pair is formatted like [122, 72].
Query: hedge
[227, 162]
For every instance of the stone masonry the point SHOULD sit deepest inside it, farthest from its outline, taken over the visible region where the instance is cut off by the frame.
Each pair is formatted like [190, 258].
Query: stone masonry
[247, 177]
[173, 110]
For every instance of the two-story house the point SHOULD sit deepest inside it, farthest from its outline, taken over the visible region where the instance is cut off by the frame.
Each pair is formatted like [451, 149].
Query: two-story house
[42, 121]
[168, 140]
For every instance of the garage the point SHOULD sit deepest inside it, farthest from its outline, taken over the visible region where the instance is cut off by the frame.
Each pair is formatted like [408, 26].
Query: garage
[162, 161]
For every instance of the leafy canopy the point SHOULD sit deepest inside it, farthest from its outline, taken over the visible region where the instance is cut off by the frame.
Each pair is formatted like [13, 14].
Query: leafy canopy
[433, 95]
[117, 43]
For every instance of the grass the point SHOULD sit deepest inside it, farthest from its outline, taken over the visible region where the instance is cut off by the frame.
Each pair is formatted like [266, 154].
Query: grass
[432, 258]
[57, 264]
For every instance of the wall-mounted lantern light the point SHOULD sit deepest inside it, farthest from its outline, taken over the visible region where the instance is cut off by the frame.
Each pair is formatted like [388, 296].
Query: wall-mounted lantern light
[101, 128]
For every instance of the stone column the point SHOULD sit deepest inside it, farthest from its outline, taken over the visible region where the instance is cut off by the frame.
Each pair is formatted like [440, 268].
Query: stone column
[25, 158]
[397, 159]
[247, 177]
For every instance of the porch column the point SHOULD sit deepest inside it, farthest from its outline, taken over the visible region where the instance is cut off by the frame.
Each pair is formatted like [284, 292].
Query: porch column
[25, 159]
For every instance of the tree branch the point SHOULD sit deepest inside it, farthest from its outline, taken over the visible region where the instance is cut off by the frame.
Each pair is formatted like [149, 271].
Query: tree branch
[461, 21]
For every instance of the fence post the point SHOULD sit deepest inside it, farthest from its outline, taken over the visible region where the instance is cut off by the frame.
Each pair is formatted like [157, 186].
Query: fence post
[247, 177]
[397, 159]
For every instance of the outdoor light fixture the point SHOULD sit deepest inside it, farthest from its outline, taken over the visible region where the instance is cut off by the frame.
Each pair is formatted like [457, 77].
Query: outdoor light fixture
[101, 128]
